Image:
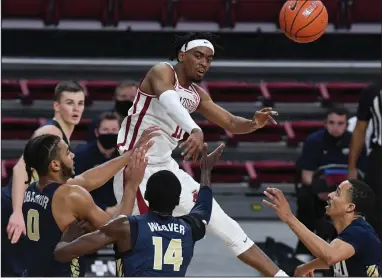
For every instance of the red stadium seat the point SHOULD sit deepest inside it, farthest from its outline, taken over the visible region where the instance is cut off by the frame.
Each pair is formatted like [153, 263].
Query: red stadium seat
[366, 11]
[234, 91]
[333, 8]
[294, 92]
[274, 171]
[269, 133]
[143, 10]
[199, 10]
[18, 128]
[256, 10]
[345, 92]
[224, 172]
[83, 9]
[7, 170]
[301, 129]
[101, 90]
[26, 9]
[10, 89]
[41, 89]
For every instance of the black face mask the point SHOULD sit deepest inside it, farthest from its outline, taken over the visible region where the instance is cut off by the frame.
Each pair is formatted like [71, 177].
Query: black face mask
[108, 140]
[123, 107]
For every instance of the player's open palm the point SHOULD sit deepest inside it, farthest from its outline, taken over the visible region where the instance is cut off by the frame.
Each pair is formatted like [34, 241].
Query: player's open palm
[193, 145]
[279, 203]
[264, 116]
[16, 227]
[136, 167]
[209, 161]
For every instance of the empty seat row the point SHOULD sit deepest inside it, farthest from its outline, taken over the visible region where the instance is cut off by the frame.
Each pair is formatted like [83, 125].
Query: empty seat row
[254, 173]
[169, 12]
[266, 92]
[292, 132]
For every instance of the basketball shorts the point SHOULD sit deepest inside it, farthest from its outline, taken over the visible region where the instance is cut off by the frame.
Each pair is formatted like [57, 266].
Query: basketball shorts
[220, 224]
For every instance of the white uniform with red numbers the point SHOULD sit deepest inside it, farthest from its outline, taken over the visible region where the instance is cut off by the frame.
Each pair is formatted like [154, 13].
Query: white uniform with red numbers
[147, 112]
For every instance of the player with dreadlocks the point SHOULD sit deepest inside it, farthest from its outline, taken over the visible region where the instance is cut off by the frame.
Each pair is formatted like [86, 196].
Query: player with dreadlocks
[58, 199]
[165, 97]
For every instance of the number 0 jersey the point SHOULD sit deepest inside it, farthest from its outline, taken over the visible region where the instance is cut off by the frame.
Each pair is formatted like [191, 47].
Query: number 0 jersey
[147, 112]
[43, 234]
[161, 246]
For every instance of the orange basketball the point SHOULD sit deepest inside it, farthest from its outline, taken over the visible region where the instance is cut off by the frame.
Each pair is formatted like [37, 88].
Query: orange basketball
[303, 21]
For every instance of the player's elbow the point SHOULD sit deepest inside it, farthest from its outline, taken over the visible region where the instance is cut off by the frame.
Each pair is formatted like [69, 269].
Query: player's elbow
[330, 259]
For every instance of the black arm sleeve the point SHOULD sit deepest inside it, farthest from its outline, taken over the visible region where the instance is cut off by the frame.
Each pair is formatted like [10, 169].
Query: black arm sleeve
[197, 225]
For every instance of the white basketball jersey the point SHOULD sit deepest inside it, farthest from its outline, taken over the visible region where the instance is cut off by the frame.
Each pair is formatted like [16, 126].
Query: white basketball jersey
[146, 112]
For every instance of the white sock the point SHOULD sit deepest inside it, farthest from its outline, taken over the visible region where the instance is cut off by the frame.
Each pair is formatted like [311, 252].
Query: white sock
[281, 273]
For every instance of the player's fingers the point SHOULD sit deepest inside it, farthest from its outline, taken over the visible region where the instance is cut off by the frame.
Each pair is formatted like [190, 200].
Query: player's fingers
[10, 232]
[149, 130]
[266, 109]
[187, 147]
[185, 143]
[191, 152]
[270, 196]
[268, 204]
[16, 236]
[148, 145]
[273, 121]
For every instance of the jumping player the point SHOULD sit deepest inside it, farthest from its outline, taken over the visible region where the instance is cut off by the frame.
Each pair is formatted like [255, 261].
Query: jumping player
[154, 244]
[357, 250]
[69, 100]
[57, 200]
[166, 97]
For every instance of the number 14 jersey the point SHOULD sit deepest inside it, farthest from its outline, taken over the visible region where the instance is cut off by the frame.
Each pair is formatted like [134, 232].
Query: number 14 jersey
[162, 246]
[146, 112]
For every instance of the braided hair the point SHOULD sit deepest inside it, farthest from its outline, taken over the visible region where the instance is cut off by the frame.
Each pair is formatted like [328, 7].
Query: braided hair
[39, 152]
[181, 40]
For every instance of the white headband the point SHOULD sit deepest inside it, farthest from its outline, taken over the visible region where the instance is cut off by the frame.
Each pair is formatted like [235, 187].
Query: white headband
[197, 43]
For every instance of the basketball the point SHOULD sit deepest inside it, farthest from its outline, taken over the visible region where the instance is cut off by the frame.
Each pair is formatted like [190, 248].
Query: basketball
[303, 21]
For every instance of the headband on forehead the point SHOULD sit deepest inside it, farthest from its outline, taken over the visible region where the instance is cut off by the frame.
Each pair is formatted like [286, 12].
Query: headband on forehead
[198, 43]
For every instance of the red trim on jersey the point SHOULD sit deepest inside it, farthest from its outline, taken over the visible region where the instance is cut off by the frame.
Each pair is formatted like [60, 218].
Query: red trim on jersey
[128, 121]
[139, 121]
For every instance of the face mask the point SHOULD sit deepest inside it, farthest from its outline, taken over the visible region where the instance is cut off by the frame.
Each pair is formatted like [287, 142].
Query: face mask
[108, 141]
[123, 107]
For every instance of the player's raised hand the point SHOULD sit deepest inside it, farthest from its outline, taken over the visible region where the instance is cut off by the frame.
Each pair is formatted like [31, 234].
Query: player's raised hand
[136, 169]
[262, 117]
[193, 145]
[279, 203]
[16, 227]
[208, 161]
[146, 139]
[75, 230]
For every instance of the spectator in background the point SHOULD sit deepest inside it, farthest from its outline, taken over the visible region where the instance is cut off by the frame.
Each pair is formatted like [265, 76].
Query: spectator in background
[351, 126]
[370, 108]
[98, 152]
[329, 145]
[124, 96]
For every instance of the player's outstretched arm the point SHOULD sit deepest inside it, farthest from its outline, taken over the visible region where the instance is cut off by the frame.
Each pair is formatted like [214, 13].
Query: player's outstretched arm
[234, 124]
[99, 175]
[332, 253]
[200, 214]
[307, 269]
[117, 229]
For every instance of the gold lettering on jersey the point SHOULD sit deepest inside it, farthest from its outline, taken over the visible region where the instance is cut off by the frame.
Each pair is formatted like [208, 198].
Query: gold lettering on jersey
[42, 200]
[119, 266]
[75, 267]
[169, 227]
[372, 271]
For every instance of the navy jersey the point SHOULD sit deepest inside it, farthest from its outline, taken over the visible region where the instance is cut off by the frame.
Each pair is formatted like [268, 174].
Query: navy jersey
[367, 260]
[161, 247]
[43, 234]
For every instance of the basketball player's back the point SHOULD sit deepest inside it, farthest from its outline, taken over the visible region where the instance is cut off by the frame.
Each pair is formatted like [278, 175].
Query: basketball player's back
[43, 234]
[147, 112]
[162, 246]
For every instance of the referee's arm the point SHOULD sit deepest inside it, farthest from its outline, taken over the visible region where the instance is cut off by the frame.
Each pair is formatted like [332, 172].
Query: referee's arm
[358, 139]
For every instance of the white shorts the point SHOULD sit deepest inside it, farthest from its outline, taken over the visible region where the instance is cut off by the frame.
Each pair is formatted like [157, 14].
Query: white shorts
[220, 224]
